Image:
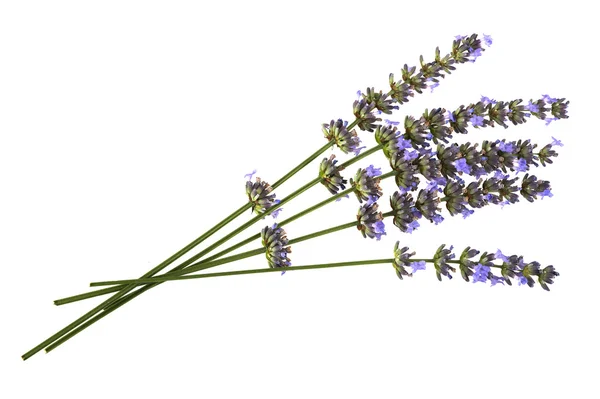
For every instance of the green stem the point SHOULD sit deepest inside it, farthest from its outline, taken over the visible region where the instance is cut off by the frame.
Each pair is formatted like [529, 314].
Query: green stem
[167, 262]
[331, 199]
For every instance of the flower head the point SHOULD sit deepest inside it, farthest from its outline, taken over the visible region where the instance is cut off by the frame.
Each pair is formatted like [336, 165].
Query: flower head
[329, 172]
[366, 183]
[259, 195]
[440, 261]
[346, 141]
[363, 111]
[401, 260]
[370, 222]
[275, 243]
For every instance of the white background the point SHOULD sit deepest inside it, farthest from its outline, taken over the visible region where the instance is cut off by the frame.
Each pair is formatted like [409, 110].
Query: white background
[126, 129]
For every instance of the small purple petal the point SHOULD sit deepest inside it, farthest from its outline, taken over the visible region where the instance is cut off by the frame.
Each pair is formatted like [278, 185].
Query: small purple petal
[548, 99]
[500, 255]
[487, 39]
[467, 212]
[450, 117]
[372, 171]
[403, 143]
[557, 142]
[412, 226]
[532, 107]
[546, 193]
[358, 150]
[416, 266]
[462, 166]
[249, 175]
[410, 155]
[521, 165]
[476, 120]
[496, 280]
[480, 273]
[389, 122]
[437, 219]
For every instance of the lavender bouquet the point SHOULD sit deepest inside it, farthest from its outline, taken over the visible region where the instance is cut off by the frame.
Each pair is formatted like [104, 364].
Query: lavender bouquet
[429, 171]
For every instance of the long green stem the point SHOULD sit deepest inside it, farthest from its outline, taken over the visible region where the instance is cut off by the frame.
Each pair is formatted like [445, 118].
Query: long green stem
[207, 265]
[167, 262]
[107, 304]
[331, 199]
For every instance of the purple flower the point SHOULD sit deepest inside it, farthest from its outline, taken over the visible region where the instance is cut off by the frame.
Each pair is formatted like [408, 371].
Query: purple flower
[549, 120]
[437, 219]
[495, 280]
[358, 95]
[379, 229]
[410, 155]
[276, 211]
[548, 99]
[403, 143]
[521, 165]
[557, 142]
[467, 212]
[249, 175]
[389, 122]
[487, 39]
[373, 171]
[435, 182]
[478, 171]
[500, 176]
[416, 266]
[450, 117]
[480, 273]
[476, 54]
[459, 37]
[522, 280]
[500, 255]
[532, 107]
[358, 150]
[434, 85]
[546, 193]
[412, 226]
[505, 147]
[476, 120]
[486, 100]
[462, 166]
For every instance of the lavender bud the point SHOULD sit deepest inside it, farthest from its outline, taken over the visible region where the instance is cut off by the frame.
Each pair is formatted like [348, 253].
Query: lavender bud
[559, 109]
[347, 141]
[276, 249]
[366, 185]
[259, 195]
[435, 121]
[405, 170]
[370, 222]
[363, 112]
[546, 276]
[403, 207]
[330, 173]
[440, 261]
[427, 204]
[401, 260]
[531, 187]
[380, 100]
[455, 202]
[466, 265]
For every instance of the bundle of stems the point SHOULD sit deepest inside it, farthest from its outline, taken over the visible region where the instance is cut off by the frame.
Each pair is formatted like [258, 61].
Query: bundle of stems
[410, 155]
